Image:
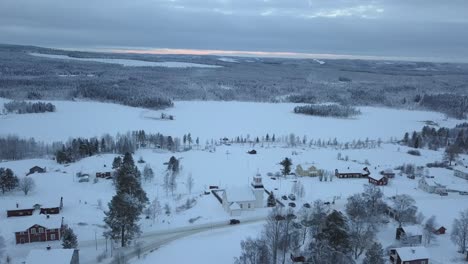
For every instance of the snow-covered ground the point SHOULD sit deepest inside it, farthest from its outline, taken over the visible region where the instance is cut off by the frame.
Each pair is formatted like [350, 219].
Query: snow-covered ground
[131, 63]
[227, 166]
[211, 119]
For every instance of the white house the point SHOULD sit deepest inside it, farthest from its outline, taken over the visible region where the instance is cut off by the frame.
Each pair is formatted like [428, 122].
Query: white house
[246, 198]
[430, 186]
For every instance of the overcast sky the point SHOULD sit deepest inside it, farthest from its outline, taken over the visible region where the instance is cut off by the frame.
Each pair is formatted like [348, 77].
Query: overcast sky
[403, 28]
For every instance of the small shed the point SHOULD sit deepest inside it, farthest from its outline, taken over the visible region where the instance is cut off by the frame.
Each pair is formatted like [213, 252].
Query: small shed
[440, 231]
[382, 181]
[253, 151]
[20, 212]
[36, 169]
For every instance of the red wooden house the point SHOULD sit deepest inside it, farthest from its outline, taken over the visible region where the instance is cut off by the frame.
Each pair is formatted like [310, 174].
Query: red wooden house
[20, 212]
[440, 231]
[40, 232]
[379, 182]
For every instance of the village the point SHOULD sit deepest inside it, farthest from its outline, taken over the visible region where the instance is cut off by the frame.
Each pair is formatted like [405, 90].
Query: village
[41, 223]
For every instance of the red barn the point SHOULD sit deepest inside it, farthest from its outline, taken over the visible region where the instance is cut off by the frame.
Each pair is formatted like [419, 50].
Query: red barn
[20, 212]
[40, 233]
[379, 182]
[440, 231]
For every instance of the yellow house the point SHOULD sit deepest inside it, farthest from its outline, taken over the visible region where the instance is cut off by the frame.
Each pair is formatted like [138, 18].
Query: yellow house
[310, 172]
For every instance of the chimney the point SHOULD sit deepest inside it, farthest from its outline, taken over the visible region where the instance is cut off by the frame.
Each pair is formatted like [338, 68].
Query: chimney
[17, 205]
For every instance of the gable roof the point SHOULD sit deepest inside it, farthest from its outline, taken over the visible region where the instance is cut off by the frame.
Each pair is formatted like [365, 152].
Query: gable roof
[412, 253]
[51, 256]
[412, 230]
[239, 194]
[42, 220]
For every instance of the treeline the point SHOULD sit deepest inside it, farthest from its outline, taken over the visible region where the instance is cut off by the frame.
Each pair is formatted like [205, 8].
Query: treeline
[442, 137]
[454, 105]
[22, 107]
[15, 148]
[128, 97]
[78, 148]
[332, 110]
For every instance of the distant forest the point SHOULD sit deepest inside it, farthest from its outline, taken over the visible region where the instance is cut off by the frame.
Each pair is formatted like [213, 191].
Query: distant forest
[15, 148]
[22, 107]
[413, 85]
[332, 110]
[442, 137]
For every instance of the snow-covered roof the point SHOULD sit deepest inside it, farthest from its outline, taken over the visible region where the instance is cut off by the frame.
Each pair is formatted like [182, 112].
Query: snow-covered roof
[412, 230]
[51, 256]
[388, 171]
[239, 194]
[52, 222]
[352, 168]
[461, 168]
[412, 253]
[234, 206]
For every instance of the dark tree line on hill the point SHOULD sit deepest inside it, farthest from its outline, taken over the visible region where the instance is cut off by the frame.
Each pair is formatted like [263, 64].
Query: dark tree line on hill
[332, 110]
[453, 138]
[79, 148]
[454, 105]
[123, 96]
[22, 107]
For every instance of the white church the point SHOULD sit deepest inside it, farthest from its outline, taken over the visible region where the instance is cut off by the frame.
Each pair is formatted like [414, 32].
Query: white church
[246, 198]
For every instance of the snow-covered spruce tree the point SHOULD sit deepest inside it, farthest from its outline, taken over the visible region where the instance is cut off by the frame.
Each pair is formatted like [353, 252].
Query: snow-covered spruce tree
[69, 239]
[117, 162]
[336, 233]
[8, 181]
[374, 255]
[286, 163]
[271, 202]
[127, 205]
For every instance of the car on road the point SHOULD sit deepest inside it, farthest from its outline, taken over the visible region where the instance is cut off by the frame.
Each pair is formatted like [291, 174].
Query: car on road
[292, 204]
[307, 205]
[292, 197]
[234, 221]
[284, 197]
[463, 193]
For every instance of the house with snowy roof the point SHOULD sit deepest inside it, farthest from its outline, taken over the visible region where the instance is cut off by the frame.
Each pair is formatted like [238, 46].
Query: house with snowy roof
[363, 173]
[53, 256]
[409, 235]
[312, 171]
[45, 228]
[409, 255]
[389, 173]
[245, 198]
[431, 186]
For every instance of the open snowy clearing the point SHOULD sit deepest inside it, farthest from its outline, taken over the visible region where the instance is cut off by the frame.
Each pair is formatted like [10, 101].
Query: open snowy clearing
[213, 120]
[131, 63]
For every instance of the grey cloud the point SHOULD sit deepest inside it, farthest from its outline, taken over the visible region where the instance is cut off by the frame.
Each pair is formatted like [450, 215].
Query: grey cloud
[414, 28]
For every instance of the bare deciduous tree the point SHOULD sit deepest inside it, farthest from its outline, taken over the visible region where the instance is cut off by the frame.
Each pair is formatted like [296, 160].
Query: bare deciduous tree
[26, 185]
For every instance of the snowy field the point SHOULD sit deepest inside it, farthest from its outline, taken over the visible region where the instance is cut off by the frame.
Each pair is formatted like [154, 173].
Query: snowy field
[208, 120]
[130, 63]
[227, 167]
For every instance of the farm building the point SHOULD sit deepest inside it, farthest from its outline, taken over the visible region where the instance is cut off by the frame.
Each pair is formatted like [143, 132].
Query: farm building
[430, 186]
[53, 256]
[36, 169]
[41, 231]
[236, 200]
[409, 235]
[389, 173]
[382, 181]
[440, 231]
[461, 172]
[105, 175]
[20, 212]
[364, 173]
[310, 172]
[409, 255]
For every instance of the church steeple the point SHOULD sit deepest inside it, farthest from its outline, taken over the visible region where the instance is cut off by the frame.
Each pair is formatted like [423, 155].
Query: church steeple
[257, 181]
